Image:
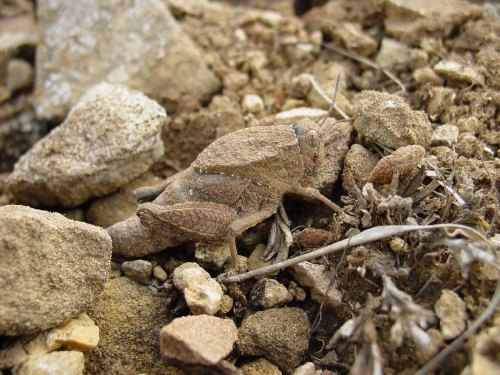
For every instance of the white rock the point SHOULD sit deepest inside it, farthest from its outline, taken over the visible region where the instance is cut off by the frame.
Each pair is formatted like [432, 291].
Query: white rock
[202, 293]
[253, 104]
[138, 44]
[199, 339]
[450, 309]
[267, 293]
[56, 363]
[307, 368]
[393, 53]
[459, 72]
[445, 135]
[111, 137]
[317, 279]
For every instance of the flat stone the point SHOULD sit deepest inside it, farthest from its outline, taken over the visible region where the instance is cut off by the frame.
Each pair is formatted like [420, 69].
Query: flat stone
[51, 269]
[202, 293]
[111, 137]
[130, 316]
[445, 135]
[316, 278]
[77, 334]
[410, 21]
[297, 114]
[267, 293]
[160, 61]
[389, 121]
[450, 309]
[351, 36]
[138, 270]
[56, 363]
[198, 339]
[459, 72]
[279, 334]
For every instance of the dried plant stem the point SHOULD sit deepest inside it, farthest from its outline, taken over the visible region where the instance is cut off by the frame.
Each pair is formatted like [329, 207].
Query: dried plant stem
[369, 235]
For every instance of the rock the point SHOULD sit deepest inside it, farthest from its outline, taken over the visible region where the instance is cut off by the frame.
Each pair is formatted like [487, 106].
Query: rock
[160, 274]
[317, 279]
[213, 257]
[389, 121]
[16, 32]
[202, 293]
[352, 38]
[199, 339]
[484, 352]
[138, 270]
[424, 353]
[456, 71]
[160, 61]
[445, 135]
[411, 21]
[404, 161]
[279, 334]
[450, 309]
[56, 363]
[110, 137]
[19, 75]
[118, 206]
[427, 75]
[252, 104]
[307, 368]
[312, 238]
[297, 292]
[267, 293]
[337, 140]
[77, 334]
[226, 304]
[51, 269]
[129, 316]
[393, 54]
[358, 164]
[260, 366]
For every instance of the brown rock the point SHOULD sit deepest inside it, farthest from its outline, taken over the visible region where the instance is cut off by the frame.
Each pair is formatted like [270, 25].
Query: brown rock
[312, 238]
[260, 366]
[358, 164]
[403, 161]
[198, 339]
[129, 316]
[389, 121]
[279, 334]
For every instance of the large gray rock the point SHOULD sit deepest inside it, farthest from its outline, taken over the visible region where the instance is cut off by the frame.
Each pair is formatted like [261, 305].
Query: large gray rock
[109, 138]
[138, 44]
[51, 268]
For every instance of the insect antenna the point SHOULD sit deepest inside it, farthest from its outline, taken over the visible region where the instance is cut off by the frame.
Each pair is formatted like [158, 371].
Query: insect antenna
[332, 106]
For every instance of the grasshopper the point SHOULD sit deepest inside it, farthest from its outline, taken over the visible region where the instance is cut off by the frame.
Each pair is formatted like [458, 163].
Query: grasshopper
[235, 183]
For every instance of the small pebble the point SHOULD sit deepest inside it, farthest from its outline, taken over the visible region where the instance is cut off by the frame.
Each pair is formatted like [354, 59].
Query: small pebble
[445, 135]
[253, 104]
[307, 368]
[159, 273]
[312, 238]
[138, 270]
[450, 309]
[459, 72]
[267, 293]
[403, 161]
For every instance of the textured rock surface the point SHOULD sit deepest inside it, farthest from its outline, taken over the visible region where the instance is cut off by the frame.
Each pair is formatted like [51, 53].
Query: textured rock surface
[198, 339]
[260, 366]
[56, 363]
[137, 44]
[202, 293]
[138, 270]
[111, 137]
[280, 335]
[358, 164]
[317, 279]
[389, 121]
[51, 268]
[130, 317]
